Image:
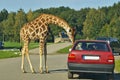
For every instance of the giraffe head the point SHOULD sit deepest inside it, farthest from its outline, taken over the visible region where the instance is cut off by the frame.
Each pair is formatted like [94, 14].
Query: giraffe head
[71, 33]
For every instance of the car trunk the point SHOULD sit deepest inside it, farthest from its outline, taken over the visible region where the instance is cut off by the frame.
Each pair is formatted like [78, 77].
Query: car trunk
[92, 57]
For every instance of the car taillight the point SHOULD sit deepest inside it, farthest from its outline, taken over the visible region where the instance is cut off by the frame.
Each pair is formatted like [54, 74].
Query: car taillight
[110, 59]
[71, 57]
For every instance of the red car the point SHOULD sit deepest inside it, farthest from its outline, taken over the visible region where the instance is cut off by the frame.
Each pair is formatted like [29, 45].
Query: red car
[91, 56]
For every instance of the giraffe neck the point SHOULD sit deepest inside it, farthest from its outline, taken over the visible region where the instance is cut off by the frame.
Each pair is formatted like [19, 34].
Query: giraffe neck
[51, 19]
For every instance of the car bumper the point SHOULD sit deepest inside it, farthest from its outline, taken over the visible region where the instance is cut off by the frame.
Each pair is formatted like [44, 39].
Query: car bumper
[91, 68]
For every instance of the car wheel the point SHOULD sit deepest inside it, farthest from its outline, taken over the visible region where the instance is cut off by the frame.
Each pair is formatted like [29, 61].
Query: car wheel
[70, 75]
[110, 77]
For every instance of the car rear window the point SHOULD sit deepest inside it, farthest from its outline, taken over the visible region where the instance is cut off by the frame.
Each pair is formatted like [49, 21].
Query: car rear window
[102, 46]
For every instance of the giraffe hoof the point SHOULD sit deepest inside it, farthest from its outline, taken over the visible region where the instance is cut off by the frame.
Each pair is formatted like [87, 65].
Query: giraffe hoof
[41, 72]
[47, 72]
[33, 71]
[24, 71]
[47, 69]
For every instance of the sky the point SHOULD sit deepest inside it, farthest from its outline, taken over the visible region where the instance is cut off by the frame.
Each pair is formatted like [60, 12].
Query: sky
[26, 5]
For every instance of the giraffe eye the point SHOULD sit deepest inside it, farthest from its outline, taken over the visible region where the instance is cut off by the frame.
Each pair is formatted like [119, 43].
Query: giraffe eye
[69, 30]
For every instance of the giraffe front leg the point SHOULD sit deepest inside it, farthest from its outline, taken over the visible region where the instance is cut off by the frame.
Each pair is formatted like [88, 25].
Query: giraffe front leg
[41, 68]
[45, 57]
[41, 53]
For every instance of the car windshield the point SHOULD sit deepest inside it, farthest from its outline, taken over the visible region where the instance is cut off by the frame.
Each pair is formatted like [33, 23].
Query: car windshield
[102, 46]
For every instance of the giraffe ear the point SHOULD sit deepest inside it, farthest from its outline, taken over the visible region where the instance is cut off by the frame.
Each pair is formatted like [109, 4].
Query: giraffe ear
[74, 28]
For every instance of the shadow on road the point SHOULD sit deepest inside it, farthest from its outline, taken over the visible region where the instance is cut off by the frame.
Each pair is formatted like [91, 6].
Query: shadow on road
[92, 76]
[117, 76]
[96, 76]
[58, 71]
[52, 71]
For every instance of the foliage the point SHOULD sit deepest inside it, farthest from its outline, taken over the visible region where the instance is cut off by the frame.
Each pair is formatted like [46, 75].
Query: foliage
[93, 23]
[89, 22]
[117, 65]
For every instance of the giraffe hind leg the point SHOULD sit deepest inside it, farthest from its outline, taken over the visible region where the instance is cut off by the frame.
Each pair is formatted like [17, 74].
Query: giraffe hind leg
[22, 64]
[31, 67]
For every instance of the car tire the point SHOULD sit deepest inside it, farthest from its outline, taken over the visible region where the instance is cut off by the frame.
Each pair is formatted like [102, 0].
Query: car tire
[70, 75]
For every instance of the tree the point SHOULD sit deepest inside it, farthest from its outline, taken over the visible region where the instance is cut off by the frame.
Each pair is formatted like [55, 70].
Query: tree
[8, 27]
[30, 16]
[105, 31]
[3, 15]
[95, 20]
[115, 25]
[1, 32]
[80, 17]
[20, 19]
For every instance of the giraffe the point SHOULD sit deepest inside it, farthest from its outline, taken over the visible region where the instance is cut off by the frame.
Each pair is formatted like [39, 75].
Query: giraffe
[38, 29]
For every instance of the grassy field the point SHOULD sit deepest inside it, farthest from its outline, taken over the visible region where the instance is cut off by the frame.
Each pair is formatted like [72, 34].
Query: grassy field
[64, 50]
[15, 45]
[9, 54]
[9, 45]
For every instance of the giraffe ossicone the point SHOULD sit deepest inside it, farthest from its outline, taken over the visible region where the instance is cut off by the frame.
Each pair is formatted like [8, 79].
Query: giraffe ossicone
[38, 29]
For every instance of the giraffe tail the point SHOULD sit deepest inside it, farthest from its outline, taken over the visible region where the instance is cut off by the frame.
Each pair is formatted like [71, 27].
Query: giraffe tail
[20, 48]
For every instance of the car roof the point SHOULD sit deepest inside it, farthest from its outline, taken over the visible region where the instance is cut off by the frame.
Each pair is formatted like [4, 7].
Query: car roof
[107, 39]
[90, 41]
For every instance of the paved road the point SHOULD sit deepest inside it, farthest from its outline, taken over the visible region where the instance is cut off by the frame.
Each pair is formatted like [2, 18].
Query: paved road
[10, 69]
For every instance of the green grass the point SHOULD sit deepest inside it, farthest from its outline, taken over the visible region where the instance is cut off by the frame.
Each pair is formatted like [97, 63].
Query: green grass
[64, 50]
[12, 45]
[9, 54]
[33, 45]
[9, 45]
[117, 66]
